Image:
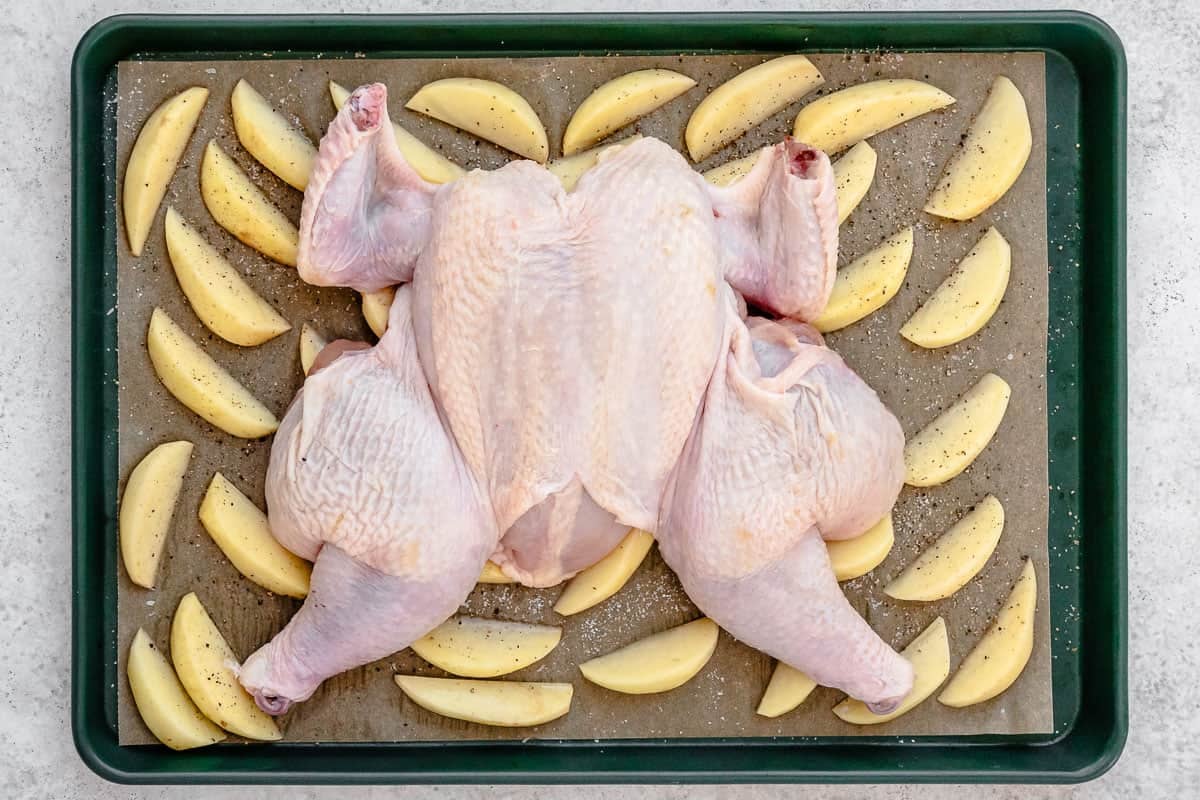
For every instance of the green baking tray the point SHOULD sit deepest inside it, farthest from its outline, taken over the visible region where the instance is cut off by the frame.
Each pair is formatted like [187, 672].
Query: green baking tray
[1086, 98]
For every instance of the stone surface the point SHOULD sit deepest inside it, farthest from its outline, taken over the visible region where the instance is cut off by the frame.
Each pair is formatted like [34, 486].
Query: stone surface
[1164, 305]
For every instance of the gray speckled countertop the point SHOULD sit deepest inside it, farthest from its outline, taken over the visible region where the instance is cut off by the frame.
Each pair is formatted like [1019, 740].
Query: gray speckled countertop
[1162, 756]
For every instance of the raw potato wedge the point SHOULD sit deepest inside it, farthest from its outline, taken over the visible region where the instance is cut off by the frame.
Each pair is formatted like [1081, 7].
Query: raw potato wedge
[376, 306]
[747, 99]
[240, 529]
[834, 122]
[853, 174]
[203, 662]
[853, 558]
[929, 654]
[493, 574]
[152, 162]
[486, 109]
[990, 159]
[429, 163]
[202, 384]
[159, 696]
[948, 445]
[1002, 653]
[657, 663]
[270, 138]
[955, 558]
[225, 303]
[241, 208]
[569, 169]
[615, 104]
[508, 704]
[474, 647]
[311, 344]
[147, 507]
[605, 578]
[867, 283]
[732, 171]
[787, 689]
[966, 299]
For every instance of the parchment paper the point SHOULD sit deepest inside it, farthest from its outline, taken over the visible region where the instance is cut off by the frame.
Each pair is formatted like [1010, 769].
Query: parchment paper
[364, 704]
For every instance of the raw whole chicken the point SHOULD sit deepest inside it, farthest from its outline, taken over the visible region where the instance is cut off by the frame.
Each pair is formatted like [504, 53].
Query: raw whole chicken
[559, 367]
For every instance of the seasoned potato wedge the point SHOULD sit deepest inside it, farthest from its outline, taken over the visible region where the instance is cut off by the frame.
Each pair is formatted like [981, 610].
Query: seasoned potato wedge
[429, 163]
[509, 704]
[486, 109]
[929, 654]
[732, 171]
[867, 283]
[241, 208]
[615, 104]
[657, 663]
[853, 174]
[787, 689]
[376, 306]
[948, 445]
[269, 137]
[205, 664]
[1001, 655]
[990, 159]
[493, 574]
[605, 578]
[311, 343]
[955, 558]
[747, 99]
[240, 529]
[152, 162]
[966, 299]
[570, 169]
[202, 384]
[834, 122]
[221, 298]
[853, 558]
[474, 647]
[147, 507]
[161, 700]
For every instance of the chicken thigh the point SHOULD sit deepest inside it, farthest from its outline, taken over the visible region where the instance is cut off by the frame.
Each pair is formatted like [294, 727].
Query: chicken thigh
[560, 365]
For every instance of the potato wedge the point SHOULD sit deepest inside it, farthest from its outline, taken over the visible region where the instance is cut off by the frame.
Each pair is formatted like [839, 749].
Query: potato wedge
[732, 171]
[152, 162]
[570, 169]
[834, 122]
[270, 138]
[948, 445]
[620, 101]
[159, 696]
[376, 306]
[429, 163]
[787, 689]
[493, 574]
[1001, 655]
[240, 529]
[474, 647]
[486, 109]
[147, 507]
[202, 384]
[203, 662]
[745, 100]
[657, 663]
[966, 299]
[508, 704]
[241, 208]
[867, 283]
[929, 654]
[853, 174]
[853, 558]
[955, 558]
[605, 578]
[990, 159]
[225, 303]
[311, 343]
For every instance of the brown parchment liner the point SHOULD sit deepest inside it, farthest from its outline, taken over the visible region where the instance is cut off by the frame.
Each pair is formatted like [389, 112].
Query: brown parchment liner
[365, 704]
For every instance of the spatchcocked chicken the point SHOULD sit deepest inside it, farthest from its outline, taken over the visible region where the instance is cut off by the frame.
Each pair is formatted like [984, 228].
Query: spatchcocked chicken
[559, 367]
